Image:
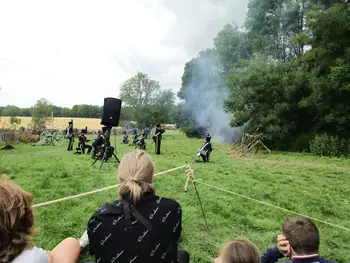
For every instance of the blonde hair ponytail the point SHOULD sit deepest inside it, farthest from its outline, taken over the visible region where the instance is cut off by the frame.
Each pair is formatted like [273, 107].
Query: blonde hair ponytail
[135, 174]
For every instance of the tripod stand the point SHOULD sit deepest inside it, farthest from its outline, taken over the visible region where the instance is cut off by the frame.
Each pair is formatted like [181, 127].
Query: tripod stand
[105, 156]
[108, 152]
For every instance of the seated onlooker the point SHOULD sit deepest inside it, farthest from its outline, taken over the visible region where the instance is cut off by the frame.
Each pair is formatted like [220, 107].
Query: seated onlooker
[16, 231]
[139, 226]
[239, 251]
[300, 242]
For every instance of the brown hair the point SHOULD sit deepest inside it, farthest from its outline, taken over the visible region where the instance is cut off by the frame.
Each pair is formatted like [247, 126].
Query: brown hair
[135, 174]
[16, 221]
[303, 235]
[240, 251]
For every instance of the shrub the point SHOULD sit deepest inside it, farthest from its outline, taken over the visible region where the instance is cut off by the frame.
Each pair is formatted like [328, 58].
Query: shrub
[329, 146]
[193, 132]
[292, 143]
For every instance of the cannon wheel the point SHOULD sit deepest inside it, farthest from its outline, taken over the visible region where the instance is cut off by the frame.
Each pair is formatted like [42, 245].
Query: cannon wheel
[57, 139]
[44, 135]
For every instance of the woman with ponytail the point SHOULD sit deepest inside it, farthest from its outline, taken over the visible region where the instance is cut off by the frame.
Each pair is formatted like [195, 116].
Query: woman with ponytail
[140, 226]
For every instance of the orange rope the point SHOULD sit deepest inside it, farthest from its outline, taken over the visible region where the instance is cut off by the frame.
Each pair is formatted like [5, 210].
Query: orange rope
[97, 190]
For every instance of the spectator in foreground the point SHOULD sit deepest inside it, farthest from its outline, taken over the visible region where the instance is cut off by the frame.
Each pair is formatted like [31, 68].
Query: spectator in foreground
[139, 226]
[239, 251]
[300, 242]
[16, 231]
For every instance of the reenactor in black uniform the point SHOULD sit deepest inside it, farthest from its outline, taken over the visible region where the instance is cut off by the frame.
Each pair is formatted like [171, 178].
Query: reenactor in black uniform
[70, 136]
[125, 138]
[82, 142]
[157, 138]
[205, 150]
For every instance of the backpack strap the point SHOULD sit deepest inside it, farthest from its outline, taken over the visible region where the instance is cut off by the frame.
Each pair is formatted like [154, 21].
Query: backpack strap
[141, 219]
[130, 209]
[127, 215]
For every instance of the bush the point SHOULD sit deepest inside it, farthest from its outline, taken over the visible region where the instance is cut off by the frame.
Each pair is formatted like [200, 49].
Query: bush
[329, 146]
[291, 143]
[193, 132]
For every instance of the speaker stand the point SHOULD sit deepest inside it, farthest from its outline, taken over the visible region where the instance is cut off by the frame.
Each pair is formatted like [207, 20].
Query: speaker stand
[104, 158]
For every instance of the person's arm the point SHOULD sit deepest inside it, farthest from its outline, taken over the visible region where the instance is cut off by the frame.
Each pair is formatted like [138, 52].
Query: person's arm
[90, 226]
[271, 255]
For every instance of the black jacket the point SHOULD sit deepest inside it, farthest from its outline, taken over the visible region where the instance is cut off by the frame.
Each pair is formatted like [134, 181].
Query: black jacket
[99, 141]
[111, 241]
[273, 254]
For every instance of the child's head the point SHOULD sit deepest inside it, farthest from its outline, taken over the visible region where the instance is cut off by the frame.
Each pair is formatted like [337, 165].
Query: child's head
[239, 251]
[16, 220]
[303, 236]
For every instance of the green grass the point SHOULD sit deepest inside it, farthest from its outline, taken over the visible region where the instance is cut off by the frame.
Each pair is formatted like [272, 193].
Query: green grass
[320, 190]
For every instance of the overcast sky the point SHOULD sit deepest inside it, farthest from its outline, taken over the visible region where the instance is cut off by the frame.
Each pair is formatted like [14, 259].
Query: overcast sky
[80, 51]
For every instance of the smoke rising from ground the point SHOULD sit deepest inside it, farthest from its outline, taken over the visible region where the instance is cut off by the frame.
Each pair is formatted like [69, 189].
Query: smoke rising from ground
[205, 102]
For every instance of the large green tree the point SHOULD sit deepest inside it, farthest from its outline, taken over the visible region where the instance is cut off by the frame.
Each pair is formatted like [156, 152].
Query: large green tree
[150, 103]
[287, 70]
[309, 95]
[328, 64]
[231, 46]
[40, 114]
[273, 26]
[139, 91]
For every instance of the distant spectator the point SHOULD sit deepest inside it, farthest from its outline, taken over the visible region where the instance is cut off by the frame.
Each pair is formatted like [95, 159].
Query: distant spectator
[239, 251]
[16, 231]
[139, 226]
[300, 242]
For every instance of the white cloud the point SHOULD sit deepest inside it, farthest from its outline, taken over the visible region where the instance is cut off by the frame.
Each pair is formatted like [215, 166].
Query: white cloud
[74, 51]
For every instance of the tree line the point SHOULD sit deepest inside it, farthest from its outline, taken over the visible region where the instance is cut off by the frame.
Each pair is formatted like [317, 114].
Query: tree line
[143, 101]
[288, 74]
[78, 111]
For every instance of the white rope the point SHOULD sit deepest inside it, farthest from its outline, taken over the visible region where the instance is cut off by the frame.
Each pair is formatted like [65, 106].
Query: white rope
[97, 190]
[274, 206]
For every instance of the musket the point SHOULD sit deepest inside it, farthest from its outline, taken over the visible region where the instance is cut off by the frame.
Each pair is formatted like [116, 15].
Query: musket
[156, 136]
[202, 148]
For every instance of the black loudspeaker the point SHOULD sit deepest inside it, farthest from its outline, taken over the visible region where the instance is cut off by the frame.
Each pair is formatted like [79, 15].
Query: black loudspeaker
[111, 112]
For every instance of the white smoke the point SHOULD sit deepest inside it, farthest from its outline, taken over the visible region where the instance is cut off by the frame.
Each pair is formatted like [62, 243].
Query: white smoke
[205, 103]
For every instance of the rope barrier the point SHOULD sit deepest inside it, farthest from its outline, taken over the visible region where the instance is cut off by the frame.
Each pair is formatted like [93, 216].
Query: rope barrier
[97, 190]
[199, 182]
[271, 205]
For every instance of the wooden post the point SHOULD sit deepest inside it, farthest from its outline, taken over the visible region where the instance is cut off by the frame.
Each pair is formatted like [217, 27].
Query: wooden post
[52, 119]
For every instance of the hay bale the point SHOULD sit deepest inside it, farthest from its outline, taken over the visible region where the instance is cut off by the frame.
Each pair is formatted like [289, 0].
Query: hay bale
[34, 138]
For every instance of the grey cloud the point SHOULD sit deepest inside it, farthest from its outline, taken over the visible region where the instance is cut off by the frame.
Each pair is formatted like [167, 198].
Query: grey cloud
[167, 71]
[198, 21]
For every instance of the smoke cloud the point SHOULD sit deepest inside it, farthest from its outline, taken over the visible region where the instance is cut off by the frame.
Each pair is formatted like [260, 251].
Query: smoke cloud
[205, 102]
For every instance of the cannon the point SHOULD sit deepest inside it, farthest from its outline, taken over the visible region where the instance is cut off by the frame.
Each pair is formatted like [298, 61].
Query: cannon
[48, 138]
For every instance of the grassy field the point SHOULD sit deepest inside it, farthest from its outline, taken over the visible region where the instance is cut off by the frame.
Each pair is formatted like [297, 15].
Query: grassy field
[317, 187]
[58, 123]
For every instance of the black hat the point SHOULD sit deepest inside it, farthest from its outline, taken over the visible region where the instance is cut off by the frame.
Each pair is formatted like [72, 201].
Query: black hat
[70, 122]
[84, 131]
[158, 125]
[208, 138]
